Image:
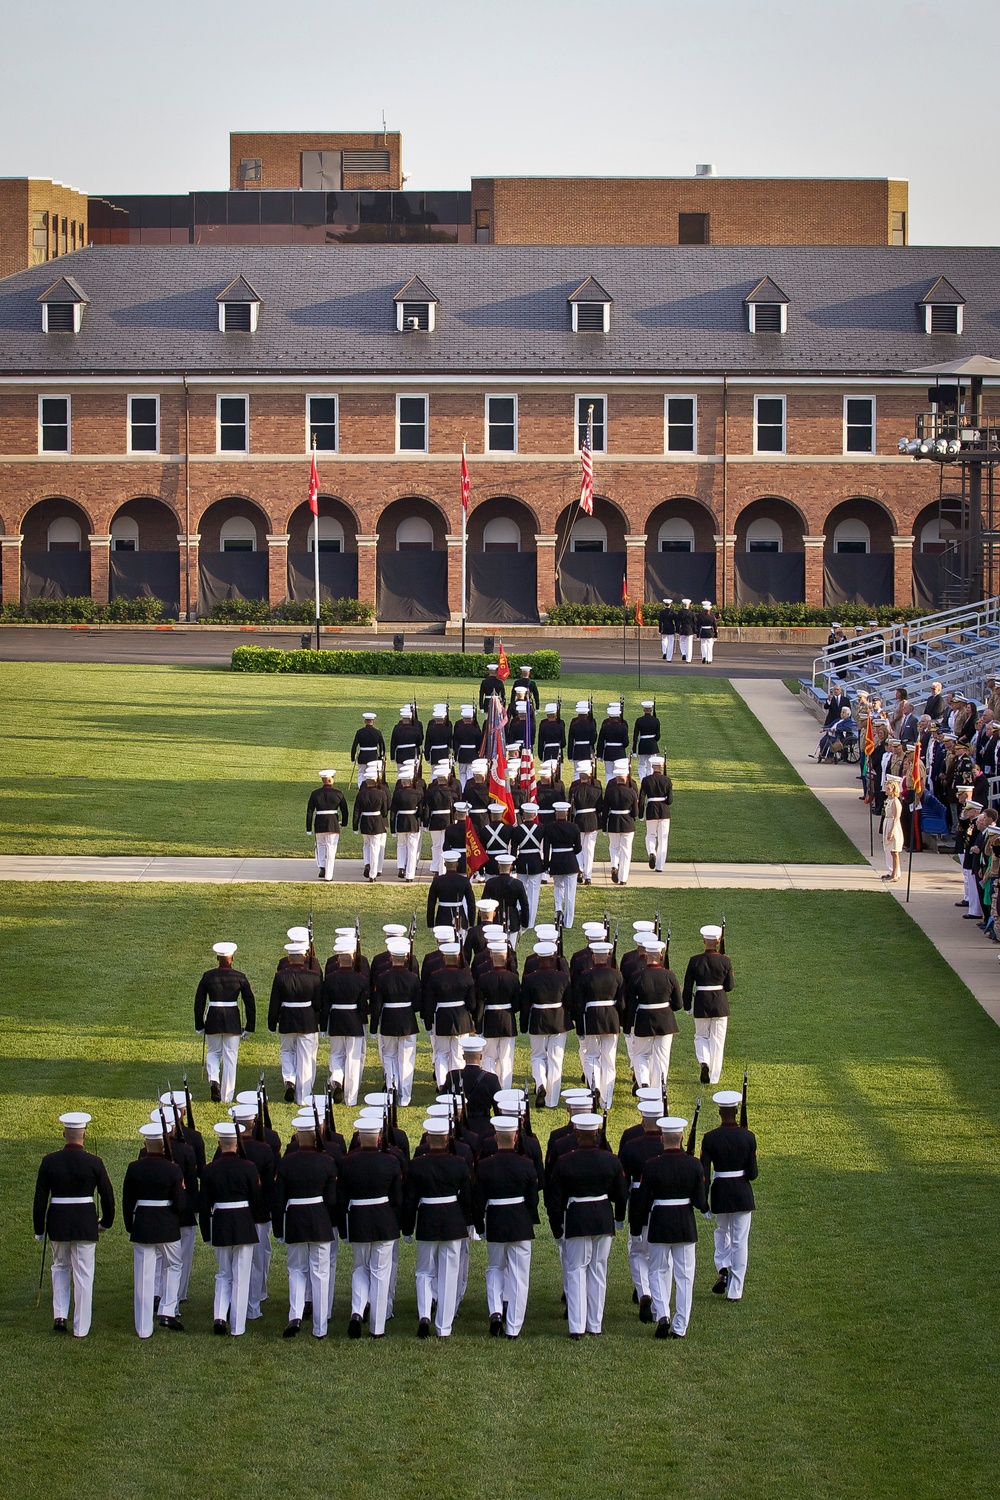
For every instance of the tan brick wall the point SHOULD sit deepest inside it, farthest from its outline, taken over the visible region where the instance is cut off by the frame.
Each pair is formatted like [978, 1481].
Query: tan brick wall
[644, 211]
[15, 226]
[280, 155]
[19, 198]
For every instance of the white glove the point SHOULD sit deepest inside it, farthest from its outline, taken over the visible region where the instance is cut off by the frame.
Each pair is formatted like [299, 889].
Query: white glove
[619, 1226]
[39, 1238]
[199, 1033]
[244, 1035]
[407, 1239]
[279, 1239]
[473, 1232]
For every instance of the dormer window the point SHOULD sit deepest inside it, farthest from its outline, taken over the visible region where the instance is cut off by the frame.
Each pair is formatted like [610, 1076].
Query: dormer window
[62, 306]
[590, 308]
[943, 308]
[416, 306]
[767, 308]
[239, 307]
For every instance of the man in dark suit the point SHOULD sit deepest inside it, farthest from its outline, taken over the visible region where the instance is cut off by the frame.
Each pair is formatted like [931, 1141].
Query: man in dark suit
[935, 705]
[837, 700]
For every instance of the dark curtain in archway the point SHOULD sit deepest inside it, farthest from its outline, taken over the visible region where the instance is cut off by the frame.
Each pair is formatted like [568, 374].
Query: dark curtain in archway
[770, 578]
[681, 575]
[338, 575]
[503, 588]
[230, 575]
[857, 578]
[590, 578]
[55, 575]
[147, 575]
[413, 586]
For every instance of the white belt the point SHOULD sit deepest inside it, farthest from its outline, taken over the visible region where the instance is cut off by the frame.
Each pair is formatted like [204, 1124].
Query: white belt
[660, 1005]
[397, 1005]
[728, 1174]
[591, 1003]
[671, 1202]
[650, 801]
[448, 1004]
[433, 1202]
[503, 1202]
[236, 1203]
[297, 1004]
[709, 986]
[366, 1203]
[600, 1198]
[350, 1005]
[451, 904]
[228, 1003]
[496, 1007]
[153, 1203]
[65, 1202]
[372, 814]
[302, 1202]
[550, 1005]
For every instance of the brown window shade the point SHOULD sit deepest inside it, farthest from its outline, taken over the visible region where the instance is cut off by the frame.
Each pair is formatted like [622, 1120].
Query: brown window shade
[692, 229]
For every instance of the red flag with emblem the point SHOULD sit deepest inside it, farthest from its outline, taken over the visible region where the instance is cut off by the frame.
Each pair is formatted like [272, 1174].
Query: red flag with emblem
[475, 849]
[638, 614]
[314, 486]
[503, 665]
[499, 790]
[466, 487]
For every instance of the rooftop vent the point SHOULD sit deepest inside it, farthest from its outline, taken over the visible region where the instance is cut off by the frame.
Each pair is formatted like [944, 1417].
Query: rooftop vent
[705, 169]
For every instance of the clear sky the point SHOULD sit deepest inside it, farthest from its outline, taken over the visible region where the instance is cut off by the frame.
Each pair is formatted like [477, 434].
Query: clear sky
[115, 96]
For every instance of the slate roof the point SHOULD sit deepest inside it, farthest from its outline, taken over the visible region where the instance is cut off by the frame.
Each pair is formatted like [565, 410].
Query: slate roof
[415, 291]
[589, 291]
[238, 290]
[942, 294]
[678, 310]
[66, 289]
[767, 293]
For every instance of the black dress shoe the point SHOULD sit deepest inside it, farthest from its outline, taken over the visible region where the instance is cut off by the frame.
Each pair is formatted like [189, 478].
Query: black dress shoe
[672, 1334]
[338, 1093]
[614, 875]
[321, 875]
[539, 1098]
[652, 861]
[366, 871]
[645, 1309]
[969, 917]
[289, 1093]
[496, 1325]
[216, 1093]
[59, 1325]
[424, 1328]
[576, 1335]
[219, 1328]
[513, 1335]
[961, 903]
[662, 1329]
[587, 881]
[294, 1324]
[721, 1283]
[635, 1298]
[364, 1315]
[705, 1075]
[174, 1324]
[354, 1326]
[307, 1310]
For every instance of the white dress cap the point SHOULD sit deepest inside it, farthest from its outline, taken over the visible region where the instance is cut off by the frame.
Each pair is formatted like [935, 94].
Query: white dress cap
[443, 934]
[393, 929]
[545, 950]
[546, 932]
[656, 760]
[328, 775]
[492, 666]
[225, 1128]
[505, 1123]
[706, 604]
[621, 767]
[224, 950]
[551, 708]
[583, 767]
[438, 1111]
[345, 945]
[440, 709]
[650, 1109]
[367, 1123]
[479, 767]
[614, 709]
[505, 859]
[243, 1112]
[369, 715]
[673, 1123]
[487, 904]
[468, 712]
[377, 1098]
[450, 949]
[473, 1043]
[711, 931]
[498, 807]
[298, 934]
[529, 807]
[463, 807]
[727, 1097]
[588, 1122]
[297, 950]
[647, 1091]
[452, 856]
[154, 1116]
[436, 1125]
[372, 771]
[576, 1093]
[492, 930]
[406, 770]
[643, 926]
[177, 1097]
[668, 601]
[440, 773]
[247, 1096]
[561, 806]
[647, 702]
[595, 930]
[397, 947]
[685, 602]
[521, 706]
[600, 948]
[301, 1122]
[652, 944]
[149, 1131]
[497, 946]
[447, 1098]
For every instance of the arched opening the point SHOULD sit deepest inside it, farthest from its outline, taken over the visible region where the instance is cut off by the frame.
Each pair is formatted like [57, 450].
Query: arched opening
[680, 550]
[409, 588]
[233, 525]
[145, 556]
[414, 534]
[940, 552]
[64, 535]
[502, 562]
[232, 557]
[675, 535]
[857, 556]
[769, 558]
[331, 535]
[592, 550]
[238, 534]
[501, 535]
[338, 551]
[852, 538]
[55, 551]
[588, 535]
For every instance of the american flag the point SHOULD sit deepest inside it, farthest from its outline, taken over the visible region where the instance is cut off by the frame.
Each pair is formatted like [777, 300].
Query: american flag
[587, 481]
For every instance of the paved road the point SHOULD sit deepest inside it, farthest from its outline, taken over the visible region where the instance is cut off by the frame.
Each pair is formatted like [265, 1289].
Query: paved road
[214, 648]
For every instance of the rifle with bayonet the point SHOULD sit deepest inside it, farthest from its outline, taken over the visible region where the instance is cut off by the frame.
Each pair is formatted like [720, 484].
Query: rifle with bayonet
[262, 1096]
[411, 962]
[258, 1126]
[319, 1133]
[311, 955]
[241, 1150]
[722, 940]
[743, 1101]
[559, 933]
[166, 1135]
[329, 1124]
[187, 1100]
[693, 1132]
[357, 944]
[178, 1116]
[614, 947]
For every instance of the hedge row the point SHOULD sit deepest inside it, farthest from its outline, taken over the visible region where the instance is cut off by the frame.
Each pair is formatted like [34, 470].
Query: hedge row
[747, 614]
[543, 664]
[83, 611]
[292, 612]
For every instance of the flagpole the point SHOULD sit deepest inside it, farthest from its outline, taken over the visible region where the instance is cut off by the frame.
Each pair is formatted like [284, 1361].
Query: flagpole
[316, 551]
[465, 522]
[638, 654]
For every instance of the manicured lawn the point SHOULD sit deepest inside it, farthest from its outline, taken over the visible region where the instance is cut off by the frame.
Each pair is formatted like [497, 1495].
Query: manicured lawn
[860, 1363]
[185, 761]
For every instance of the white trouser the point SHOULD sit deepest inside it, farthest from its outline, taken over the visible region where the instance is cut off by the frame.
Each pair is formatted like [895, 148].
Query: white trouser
[620, 848]
[398, 1056]
[393, 1275]
[232, 1285]
[347, 1061]
[598, 1055]
[638, 1262]
[373, 852]
[657, 839]
[707, 647]
[547, 1053]
[221, 1054]
[508, 1269]
[437, 851]
[643, 767]
[609, 769]
[710, 1043]
[628, 1039]
[299, 1050]
[732, 1247]
[370, 1281]
[447, 1055]
[144, 1262]
[672, 1263]
[650, 1057]
[585, 858]
[73, 1263]
[533, 889]
[564, 895]
[437, 1281]
[187, 1257]
[585, 1280]
[667, 646]
[309, 1281]
[326, 852]
[686, 642]
[259, 1270]
[407, 853]
[498, 1058]
[971, 891]
[463, 1269]
[464, 772]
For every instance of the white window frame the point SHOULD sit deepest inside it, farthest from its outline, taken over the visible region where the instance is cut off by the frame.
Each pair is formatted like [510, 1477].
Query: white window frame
[431, 310]
[415, 396]
[771, 452]
[56, 396]
[499, 396]
[77, 317]
[588, 396]
[254, 314]
[231, 396]
[575, 315]
[959, 320]
[679, 396]
[323, 396]
[141, 396]
[752, 308]
[851, 452]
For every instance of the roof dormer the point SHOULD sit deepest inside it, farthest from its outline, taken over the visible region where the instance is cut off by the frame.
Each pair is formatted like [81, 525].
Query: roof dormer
[767, 308]
[239, 307]
[590, 307]
[943, 308]
[416, 305]
[62, 306]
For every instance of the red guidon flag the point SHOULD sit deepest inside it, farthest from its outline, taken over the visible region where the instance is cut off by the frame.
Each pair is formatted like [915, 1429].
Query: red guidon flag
[638, 614]
[475, 849]
[466, 487]
[503, 665]
[314, 486]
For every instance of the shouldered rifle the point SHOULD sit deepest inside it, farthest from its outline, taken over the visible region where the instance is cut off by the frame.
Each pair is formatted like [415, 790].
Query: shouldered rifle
[411, 962]
[666, 948]
[656, 923]
[329, 1124]
[559, 933]
[386, 1127]
[693, 1132]
[258, 1124]
[357, 944]
[262, 1095]
[187, 1101]
[743, 1101]
[451, 1128]
[178, 1117]
[241, 1150]
[312, 943]
[528, 1130]
[654, 708]
[590, 708]
[722, 940]
[319, 1133]
[614, 946]
[393, 1101]
[166, 1135]
[464, 1118]
[604, 1129]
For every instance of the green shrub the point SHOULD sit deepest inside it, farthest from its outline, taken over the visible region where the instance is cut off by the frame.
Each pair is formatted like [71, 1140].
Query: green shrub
[240, 612]
[292, 612]
[145, 611]
[387, 663]
[82, 611]
[746, 614]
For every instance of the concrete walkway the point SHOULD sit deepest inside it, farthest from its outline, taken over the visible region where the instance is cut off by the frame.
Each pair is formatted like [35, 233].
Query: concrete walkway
[937, 878]
[349, 871]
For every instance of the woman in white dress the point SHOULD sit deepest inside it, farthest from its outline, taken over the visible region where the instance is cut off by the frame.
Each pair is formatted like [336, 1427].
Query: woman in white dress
[892, 828]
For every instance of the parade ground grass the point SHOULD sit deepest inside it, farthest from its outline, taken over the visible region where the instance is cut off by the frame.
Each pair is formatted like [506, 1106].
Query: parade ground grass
[861, 1362]
[135, 760]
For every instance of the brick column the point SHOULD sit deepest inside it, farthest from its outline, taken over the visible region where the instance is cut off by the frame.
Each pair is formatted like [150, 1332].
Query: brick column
[277, 569]
[725, 569]
[546, 567]
[814, 570]
[902, 571]
[454, 542]
[635, 567]
[189, 574]
[368, 568]
[10, 577]
[100, 567]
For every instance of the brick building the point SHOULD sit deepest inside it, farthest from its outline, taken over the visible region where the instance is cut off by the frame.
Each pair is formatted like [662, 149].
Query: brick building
[39, 221]
[317, 160]
[157, 410]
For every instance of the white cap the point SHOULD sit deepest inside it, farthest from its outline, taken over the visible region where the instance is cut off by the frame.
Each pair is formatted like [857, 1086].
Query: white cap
[492, 929]
[154, 1116]
[505, 1125]
[487, 904]
[369, 715]
[551, 708]
[497, 945]
[368, 1123]
[301, 1122]
[668, 601]
[576, 1093]
[224, 950]
[529, 807]
[621, 767]
[546, 931]
[650, 1109]
[345, 945]
[583, 707]
[685, 601]
[546, 768]
[328, 775]
[468, 711]
[656, 760]
[561, 806]
[397, 947]
[406, 770]
[595, 929]
[479, 767]
[706, 604]
[600, 948]
[225, 1128]
[371, 771]
[243, 1112]
[393, 929]
[463, 807]
[647, 1091]
[652, 944]
[525, 667]
[588, 1122]
[492, 666]
[452, 856]
[545, 950]
[643, 926]
[245, 1096]
[497, 807]
[728, 1098]
[443, 933]
[436, 1125]
[473, 1043]
[151, 1131]
[711, 931]
[440, 709]
[372, 1114]
[298, 934]
[297, 950]
[177, 1097]
[505, 859]
[450, 949]
[647, 702]
[376, 1098]
[614, 709]
[672, 1123]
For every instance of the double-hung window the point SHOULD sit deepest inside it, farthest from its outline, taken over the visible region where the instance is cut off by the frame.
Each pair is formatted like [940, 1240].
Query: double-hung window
[591, 412]
[411, 424]
[859, 424]
[234, 424]
[501, 424]
[682, 424]
[144, 424]
[322, 424]
[769, 424]
[53, 424]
